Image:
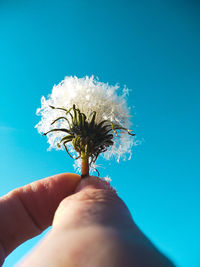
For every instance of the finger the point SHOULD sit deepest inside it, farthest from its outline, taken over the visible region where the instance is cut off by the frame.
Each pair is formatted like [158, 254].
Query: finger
[95, 202]
[25, 212]
[93, 227]
[85, 222]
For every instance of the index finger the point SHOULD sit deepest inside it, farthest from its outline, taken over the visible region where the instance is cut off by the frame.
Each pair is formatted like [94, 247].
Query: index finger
[26, 211]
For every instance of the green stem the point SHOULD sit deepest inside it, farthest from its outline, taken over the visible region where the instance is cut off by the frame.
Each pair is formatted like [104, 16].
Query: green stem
[84, 165]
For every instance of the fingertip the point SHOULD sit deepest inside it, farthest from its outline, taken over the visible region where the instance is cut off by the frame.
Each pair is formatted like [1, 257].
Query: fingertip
[28, 210]
[71, 179]
[42, 197]
[95, 183]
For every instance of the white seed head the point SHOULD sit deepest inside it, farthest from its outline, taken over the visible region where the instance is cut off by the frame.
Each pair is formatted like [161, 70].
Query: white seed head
[88, 94]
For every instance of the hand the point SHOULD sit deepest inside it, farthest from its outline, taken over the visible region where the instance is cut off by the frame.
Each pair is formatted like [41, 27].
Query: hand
[25, 212]
[92, 227]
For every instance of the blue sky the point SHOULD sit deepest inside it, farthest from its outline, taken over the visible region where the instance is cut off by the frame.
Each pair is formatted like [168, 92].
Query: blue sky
[153, 48]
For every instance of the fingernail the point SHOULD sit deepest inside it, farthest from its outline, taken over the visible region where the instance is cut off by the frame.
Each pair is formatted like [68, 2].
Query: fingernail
[94, 182]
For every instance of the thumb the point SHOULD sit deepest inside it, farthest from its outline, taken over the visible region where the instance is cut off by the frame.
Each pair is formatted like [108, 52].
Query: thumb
[95, 203]
[93, 227]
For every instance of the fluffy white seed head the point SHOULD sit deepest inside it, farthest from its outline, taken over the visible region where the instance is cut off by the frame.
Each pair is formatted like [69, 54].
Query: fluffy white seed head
[88, 94]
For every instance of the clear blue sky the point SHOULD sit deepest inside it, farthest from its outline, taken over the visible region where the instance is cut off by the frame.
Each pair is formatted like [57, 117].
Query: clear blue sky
[151, 46]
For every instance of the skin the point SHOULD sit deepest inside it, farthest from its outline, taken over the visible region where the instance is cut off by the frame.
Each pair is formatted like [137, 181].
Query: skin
[91, 225]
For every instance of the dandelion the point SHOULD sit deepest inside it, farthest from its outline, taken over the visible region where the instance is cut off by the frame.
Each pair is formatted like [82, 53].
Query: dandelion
[86, 117]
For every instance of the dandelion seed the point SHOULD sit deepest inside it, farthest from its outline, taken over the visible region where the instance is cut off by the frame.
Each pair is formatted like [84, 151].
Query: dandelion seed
[87, 118]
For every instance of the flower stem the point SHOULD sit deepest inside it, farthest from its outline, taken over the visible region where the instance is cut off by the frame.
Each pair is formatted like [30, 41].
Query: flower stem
[84, 165]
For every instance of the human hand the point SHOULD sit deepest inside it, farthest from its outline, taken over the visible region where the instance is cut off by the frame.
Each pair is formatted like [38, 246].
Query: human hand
[92, 227]
[26, 211]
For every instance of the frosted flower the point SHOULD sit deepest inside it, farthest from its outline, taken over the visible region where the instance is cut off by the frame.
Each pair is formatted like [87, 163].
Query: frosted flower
[86, 117]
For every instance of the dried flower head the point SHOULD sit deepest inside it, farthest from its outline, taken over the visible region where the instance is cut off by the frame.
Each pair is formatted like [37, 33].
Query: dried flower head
[86, 118]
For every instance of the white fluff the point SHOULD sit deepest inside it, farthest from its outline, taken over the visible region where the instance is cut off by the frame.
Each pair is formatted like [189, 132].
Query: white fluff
[88, 94]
